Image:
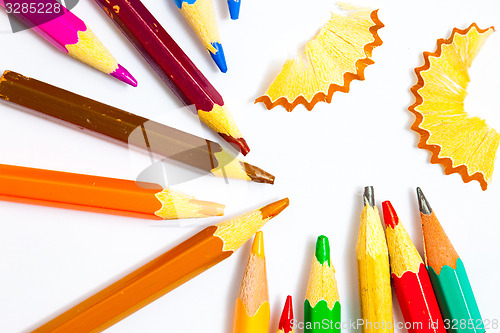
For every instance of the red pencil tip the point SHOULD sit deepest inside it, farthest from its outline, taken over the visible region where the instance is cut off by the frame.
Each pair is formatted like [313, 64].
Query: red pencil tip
[286, 324]
[391, 219]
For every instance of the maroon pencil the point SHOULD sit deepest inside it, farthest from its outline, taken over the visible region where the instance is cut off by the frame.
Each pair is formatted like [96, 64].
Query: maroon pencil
[173, 66]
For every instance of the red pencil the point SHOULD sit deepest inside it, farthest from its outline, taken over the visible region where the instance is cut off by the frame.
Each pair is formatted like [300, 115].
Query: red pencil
[410, 279]
[286, 321]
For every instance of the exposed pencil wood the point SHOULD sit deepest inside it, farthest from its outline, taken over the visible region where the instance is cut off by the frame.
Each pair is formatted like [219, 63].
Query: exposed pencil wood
[374, 274]
[322, 298]
[127, 128]
[448, 275]
[174, 67]
[69, 34]
[252, 309]
[410, 279]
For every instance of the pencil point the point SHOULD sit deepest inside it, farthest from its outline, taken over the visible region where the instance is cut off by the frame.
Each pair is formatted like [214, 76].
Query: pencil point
[425, 207]
[286, 324]
[274, 208]
[234, 8]
[323, 250]
[219, 57]
[123, 75]
[258, 245]
[256, 174]
[391, 219]
[369, 196]
[238, 143]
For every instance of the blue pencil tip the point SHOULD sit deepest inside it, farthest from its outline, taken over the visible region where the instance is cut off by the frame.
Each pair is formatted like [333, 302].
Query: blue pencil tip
[219, 57]
[234, 8]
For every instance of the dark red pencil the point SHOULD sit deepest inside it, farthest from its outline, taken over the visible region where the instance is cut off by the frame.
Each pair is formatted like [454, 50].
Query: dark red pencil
[173, 66]
[410, 279]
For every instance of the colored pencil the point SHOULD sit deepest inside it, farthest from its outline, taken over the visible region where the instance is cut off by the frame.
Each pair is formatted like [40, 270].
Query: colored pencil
[286, 324]
[234, 8]
[322, 304]
[374, 273]
[69, 34]
[100, 194]
[174, 67]
[200, 15]
[163, 274]
[448, 276]
[252, 310]
[127, 128]
[410, 279]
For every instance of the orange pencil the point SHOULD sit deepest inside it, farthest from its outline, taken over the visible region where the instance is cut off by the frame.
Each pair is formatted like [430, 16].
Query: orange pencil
[163, 274]
[253, 312]
[100, 194]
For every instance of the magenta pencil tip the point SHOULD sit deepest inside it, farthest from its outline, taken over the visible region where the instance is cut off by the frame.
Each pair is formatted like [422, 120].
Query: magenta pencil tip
[123, 75]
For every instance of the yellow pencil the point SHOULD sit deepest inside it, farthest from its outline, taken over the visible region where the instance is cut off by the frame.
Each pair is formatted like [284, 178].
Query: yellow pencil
[200, 15]
[253, 312]
[373, 270]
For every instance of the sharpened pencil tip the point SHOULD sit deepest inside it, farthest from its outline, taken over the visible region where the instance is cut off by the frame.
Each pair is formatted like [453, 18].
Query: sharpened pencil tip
[391, 219]
[425, 207]
[369, 196]
[234, 8]
[238, 143]
[274, 208]
[219, 57]
[258, 245]
[286, 320]
[123, 75]
[323, 250]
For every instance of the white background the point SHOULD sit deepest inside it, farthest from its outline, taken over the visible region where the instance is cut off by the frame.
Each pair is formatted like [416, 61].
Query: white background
[51, 259]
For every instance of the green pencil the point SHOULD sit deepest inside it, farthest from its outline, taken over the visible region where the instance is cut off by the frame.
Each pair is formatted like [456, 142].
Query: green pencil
[322, 304]
[448, 276]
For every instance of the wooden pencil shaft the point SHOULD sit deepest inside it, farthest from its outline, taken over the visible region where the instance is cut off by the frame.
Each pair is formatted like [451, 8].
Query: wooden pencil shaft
[77, 191]
[142, 286]
[162, 53]
[112, 122]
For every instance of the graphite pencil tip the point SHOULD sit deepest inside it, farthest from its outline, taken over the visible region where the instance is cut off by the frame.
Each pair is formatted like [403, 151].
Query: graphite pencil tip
[323, 250]
[391, 219]
[123, 75]
[425, 207]
[219, 57]
[274, 208]
[234, 8]
[369, 196]
[286, 320]
[258, 245]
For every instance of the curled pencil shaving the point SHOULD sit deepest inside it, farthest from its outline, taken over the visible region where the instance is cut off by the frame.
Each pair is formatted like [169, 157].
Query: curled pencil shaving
[461, 143]
[338, 54]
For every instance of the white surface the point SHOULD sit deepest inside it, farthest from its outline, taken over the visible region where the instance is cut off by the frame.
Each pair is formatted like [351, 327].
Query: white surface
[52, 259]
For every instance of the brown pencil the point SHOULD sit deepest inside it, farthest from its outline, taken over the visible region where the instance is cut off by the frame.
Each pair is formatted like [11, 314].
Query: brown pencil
[100, 194]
